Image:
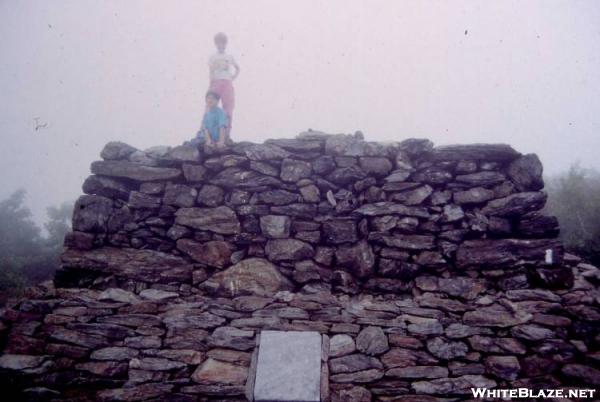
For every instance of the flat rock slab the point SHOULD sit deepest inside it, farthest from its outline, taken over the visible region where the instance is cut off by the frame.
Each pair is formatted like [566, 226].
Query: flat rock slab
[289, 367]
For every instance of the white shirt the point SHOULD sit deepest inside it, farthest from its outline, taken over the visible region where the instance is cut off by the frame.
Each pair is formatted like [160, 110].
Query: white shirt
[220, 65]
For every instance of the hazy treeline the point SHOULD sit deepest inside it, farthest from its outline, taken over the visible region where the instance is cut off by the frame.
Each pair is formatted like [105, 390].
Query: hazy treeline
[574, 197]
[28, 257]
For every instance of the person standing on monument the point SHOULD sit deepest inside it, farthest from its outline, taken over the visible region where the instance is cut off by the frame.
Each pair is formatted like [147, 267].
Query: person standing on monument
[221, 76]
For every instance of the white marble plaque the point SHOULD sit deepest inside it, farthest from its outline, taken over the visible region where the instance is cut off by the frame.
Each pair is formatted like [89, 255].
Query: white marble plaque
[289, 367]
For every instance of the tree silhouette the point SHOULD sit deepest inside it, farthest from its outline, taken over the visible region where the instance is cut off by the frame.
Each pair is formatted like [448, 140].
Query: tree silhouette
[574, 198]
[26, 257]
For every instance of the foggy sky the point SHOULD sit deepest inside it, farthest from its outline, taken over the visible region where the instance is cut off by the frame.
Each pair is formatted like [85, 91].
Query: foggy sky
[521, 72]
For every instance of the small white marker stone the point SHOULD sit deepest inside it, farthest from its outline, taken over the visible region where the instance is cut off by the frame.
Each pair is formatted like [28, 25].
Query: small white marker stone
[549, 259]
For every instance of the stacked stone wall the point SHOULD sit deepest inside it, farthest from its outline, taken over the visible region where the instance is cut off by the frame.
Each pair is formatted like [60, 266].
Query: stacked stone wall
[428, 271]
[335, 210]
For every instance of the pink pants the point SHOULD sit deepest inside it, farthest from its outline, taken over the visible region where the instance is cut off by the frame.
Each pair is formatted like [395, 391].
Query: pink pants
[225, 90]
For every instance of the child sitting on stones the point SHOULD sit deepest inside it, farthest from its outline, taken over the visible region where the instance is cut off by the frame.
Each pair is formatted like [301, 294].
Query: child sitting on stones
[214, 123]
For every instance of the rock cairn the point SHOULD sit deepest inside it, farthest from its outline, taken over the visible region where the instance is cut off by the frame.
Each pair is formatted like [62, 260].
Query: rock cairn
[429, 270]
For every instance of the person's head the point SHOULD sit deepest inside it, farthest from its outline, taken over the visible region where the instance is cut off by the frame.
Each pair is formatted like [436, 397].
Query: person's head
[221, 41]
[212, 99]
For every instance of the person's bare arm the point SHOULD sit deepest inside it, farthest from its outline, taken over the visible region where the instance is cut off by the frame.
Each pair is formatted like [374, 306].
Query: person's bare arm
[237, 70]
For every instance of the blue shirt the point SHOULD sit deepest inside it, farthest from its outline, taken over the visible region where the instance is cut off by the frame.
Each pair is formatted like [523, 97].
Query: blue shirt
[213, 120]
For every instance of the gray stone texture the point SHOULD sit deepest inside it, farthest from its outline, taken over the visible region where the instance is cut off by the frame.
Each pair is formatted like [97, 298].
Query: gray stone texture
[289, 367]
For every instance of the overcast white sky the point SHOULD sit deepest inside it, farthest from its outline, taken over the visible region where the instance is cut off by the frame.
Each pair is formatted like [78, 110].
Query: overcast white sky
[521, 72]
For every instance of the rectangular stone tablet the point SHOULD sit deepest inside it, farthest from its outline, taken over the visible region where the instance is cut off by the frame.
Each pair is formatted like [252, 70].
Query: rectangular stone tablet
[289, 367]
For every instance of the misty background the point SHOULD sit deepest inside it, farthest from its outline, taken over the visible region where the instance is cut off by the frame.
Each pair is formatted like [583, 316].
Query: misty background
[521, 72]
[77, 74]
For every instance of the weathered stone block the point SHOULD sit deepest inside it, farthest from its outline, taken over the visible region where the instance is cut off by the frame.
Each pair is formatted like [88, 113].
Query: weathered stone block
[134, 171]
[221, 219]
[275, 226]
[252, 276]
[505, 252]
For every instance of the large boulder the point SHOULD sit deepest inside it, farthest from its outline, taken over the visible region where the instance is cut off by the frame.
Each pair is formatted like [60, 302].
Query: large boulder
[91, 213]
[526, 173]
[252, 276]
